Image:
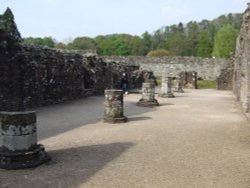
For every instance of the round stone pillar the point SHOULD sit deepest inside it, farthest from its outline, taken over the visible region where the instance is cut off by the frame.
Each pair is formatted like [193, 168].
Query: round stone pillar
[178, 86]
[19, 147]
[148, 96]
[166, 88]
[113, 112]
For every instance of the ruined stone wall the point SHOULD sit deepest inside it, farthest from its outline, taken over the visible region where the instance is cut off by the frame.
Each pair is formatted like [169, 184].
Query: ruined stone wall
[33, 76]
[241, 80]
[38, 77]
[206, 68]
[225, 79]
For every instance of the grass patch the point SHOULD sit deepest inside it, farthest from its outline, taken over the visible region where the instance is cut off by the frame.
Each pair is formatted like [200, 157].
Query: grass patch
[206, 84]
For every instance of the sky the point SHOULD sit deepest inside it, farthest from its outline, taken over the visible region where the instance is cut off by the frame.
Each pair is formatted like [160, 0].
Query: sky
[64, 20]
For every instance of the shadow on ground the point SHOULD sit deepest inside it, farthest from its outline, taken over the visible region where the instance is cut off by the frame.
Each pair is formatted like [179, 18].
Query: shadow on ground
[56, 119]
[69, 167]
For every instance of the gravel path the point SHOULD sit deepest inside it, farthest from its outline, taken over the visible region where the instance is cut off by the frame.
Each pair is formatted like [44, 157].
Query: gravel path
[200, 139]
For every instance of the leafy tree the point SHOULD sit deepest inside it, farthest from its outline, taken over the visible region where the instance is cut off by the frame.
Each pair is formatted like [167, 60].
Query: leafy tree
[137, 46]
[7, 23]
[192, 39]
[46, 41]
[225, 41]
[82, 43]
[175, 39]
[120, 44]
[147, 42]
[61, 45]
[158, 39]
[105, 45]
[205, 44]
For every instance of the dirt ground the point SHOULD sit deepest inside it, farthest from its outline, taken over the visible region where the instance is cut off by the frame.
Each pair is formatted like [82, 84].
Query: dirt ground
[200, 139]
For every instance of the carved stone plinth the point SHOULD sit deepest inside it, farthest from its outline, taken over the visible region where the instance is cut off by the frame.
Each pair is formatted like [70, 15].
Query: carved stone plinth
[113, 112]
[178, 86]
[166, 88]
[148, 96]
[19, 141]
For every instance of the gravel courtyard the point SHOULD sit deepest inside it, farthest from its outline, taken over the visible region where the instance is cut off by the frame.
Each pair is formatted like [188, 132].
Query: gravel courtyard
[200, 139]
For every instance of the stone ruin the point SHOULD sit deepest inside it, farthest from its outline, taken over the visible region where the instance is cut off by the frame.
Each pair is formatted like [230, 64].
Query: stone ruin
[148, 95]
[113, 112]
[241, 73]
[19, 141]
[33, 76]
[225, 79]
[166, 88]
[188, 79]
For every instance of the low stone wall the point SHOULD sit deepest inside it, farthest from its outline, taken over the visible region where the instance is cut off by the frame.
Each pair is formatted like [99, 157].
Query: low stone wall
[206, 68]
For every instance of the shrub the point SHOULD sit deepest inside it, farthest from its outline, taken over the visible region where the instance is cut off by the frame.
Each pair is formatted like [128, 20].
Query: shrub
[158, 53]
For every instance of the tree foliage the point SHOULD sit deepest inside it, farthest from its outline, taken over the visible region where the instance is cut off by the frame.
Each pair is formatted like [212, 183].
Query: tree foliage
[205, 44]
[120, 44]
[225, 41]
[7, 23]
[82, 43]
[46, 41]
[204, 39]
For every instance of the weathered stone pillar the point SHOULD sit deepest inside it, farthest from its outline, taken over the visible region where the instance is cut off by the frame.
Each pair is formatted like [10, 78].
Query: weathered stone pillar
[19, 141]
[178, 86]
[113, 112]
[148, 96]
[166, 88]
[189, 79]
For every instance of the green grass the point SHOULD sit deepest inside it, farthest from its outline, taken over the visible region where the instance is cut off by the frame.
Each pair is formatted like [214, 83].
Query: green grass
[206, 84]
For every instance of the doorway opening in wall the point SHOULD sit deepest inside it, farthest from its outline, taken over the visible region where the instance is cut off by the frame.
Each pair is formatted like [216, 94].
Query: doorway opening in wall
[206, 84]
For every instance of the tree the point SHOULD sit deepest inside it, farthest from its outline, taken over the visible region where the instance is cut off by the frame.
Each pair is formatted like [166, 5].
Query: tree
[61, 45]
[137, 46]
[120, 44]
[7, 23]
[205, 45]
[175, 41]
[192, 39]
[82, 43]
[225, 41]
[147, 42]
[46, 41]
[158, 39]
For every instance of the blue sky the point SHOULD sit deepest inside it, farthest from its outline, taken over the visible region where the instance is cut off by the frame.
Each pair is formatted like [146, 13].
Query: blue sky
[67, 19]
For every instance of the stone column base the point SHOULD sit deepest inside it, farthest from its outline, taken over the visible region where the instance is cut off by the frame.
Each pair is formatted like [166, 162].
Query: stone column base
[147, 103]
[23, 159]
[115, 120]
[179, 91]
[167, 95]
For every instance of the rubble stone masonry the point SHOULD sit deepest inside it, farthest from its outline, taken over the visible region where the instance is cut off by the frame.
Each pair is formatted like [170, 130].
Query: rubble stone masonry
[241, 75]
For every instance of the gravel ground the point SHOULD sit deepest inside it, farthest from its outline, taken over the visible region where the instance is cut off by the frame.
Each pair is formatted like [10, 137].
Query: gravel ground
[200, 139]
